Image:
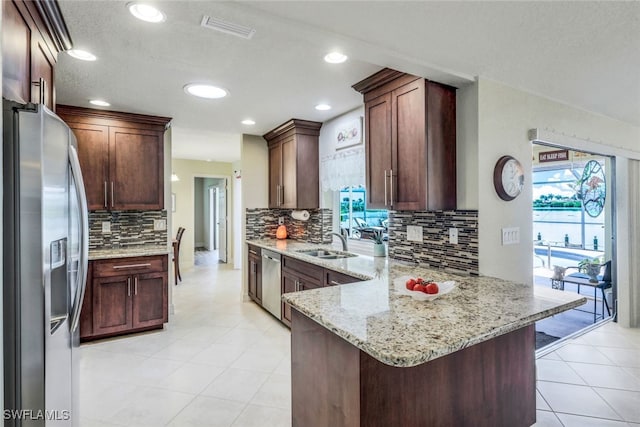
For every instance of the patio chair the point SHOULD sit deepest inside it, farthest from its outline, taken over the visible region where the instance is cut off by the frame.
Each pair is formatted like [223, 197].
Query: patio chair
[604, 282]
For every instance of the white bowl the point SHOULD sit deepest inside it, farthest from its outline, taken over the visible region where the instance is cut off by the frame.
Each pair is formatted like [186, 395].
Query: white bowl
[443, 289]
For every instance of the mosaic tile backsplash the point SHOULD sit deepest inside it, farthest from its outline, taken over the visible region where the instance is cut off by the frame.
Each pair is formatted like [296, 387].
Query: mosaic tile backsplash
[435, 251]
[262, 223]
[128, 228]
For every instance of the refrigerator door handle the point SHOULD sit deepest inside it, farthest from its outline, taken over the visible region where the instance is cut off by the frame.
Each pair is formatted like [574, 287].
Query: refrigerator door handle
[83, 266]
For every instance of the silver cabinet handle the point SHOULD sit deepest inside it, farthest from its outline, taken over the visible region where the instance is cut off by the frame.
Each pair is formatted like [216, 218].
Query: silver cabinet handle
[121, 267]
[135, 285]
[41, 84]
[111, 193]
[391, 185]
[106, 202]
[297, 286]
[385, 187]
[251, 251]
[333, 282]
[129, 286]
[282, 198]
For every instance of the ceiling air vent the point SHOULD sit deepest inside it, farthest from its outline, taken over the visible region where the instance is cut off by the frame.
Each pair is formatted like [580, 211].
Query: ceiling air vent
[227, 27]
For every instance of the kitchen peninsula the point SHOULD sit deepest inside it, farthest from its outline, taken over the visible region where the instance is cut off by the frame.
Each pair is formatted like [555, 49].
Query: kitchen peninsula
[363, 354]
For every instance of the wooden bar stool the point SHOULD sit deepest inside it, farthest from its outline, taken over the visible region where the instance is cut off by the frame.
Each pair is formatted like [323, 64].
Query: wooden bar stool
[176, 254]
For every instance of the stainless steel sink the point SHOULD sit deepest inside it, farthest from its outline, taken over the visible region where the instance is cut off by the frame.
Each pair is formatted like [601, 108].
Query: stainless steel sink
[326, 253]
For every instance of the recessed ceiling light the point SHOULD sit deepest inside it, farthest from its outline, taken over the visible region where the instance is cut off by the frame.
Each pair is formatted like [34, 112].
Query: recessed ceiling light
[248, 122]
[323, 107]
[99, 102]
[81, 54]
[146, 12]
[335, 58]
[205, 91]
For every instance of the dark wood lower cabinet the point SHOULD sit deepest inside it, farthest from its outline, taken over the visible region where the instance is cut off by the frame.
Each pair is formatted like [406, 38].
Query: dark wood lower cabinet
[336, 384]
[111, 305]
[255, 274]
[125, 295]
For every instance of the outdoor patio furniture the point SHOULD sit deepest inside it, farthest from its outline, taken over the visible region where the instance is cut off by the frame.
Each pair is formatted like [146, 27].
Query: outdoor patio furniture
[581, 279]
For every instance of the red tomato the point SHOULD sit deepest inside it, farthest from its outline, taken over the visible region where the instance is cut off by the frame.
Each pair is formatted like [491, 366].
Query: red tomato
[410, 284]
[418, 287]
[431, 288]
[420, 280]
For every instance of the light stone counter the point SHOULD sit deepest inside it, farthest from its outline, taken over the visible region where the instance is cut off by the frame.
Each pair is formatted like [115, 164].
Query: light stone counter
[400, 331]
[131, 251]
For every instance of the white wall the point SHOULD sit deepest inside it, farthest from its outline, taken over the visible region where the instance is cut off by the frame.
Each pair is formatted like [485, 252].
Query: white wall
[255, 187]
[505, 115]
[184, 216]
[198, 212]
[236, 188]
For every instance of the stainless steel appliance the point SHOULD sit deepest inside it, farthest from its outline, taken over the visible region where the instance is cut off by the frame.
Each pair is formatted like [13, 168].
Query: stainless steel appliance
[271, 287]
[45, 248]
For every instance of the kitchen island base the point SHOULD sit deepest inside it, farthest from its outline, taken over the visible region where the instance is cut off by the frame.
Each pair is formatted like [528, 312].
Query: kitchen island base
[336, 384]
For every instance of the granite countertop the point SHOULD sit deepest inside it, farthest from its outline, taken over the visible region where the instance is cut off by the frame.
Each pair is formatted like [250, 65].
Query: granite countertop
[129, 251]
[400, 331]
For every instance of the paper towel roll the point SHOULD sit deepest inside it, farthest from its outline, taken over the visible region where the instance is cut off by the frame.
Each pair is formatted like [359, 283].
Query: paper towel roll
[300, 215]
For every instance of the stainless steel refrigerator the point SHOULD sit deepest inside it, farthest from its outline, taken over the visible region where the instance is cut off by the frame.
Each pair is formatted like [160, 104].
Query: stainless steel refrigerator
[45, 224]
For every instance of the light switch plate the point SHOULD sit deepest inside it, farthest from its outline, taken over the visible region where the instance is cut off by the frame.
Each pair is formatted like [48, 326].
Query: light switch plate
[414, 233]
[280, 220]
[453, 236]
[106, 227]
[159, 224]
[510, 236]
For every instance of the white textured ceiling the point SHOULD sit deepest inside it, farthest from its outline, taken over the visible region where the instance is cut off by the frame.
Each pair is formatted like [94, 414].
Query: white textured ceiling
[586, 54]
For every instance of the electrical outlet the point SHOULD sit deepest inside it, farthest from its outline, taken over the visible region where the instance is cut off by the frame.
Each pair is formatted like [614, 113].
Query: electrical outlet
[106, 227]
[414, 233]
[159, 224]
[281, 220]
[510, 236]
[453, 236]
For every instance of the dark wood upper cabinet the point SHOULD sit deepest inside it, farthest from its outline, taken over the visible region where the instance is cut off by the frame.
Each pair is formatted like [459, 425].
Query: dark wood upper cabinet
[122, 157]
[294, 165]
[33, 33]
[410, 142]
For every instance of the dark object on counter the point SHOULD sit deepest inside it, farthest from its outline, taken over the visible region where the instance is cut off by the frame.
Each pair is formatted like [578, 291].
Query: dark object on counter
[176, 254]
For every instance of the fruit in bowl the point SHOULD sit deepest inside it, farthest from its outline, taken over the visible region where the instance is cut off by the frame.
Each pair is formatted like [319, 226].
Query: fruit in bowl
[421, 289]
[420, 285]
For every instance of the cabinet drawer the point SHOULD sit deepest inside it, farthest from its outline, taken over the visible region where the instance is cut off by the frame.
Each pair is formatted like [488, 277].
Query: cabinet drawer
[254, 251]
[309, 270]
[333, 278]
[128, 266]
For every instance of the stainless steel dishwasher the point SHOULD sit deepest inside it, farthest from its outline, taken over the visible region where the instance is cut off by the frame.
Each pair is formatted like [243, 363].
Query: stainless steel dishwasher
[271, 288]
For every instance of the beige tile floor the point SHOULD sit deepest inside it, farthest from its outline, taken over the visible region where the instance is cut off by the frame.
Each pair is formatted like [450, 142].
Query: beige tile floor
[222, 362]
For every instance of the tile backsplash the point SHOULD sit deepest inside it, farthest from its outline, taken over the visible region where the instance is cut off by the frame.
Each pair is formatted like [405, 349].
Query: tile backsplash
[262, 223]
[128, 228]
[435, 250]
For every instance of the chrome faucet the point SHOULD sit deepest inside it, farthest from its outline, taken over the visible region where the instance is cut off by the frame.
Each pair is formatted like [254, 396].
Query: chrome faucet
[343, 240]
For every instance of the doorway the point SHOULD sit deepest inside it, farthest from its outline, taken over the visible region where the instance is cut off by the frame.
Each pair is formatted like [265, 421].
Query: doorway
[573, 225]
[210, 220]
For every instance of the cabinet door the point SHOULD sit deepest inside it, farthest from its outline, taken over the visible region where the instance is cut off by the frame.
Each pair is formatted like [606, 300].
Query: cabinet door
[305, 283]
[255, 279]
[150, 302]
[136, 168]
[289, 282]
[93, 152]
[112, 304]
[378, 151]
[16, 54]
[288, 190]
[409, 147]
[42, 65]
[275, 175]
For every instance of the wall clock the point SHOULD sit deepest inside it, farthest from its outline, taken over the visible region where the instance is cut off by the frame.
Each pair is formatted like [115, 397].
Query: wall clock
[508, 178]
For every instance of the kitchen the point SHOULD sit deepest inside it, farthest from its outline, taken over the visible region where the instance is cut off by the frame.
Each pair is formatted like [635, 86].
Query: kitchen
[478, 146]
